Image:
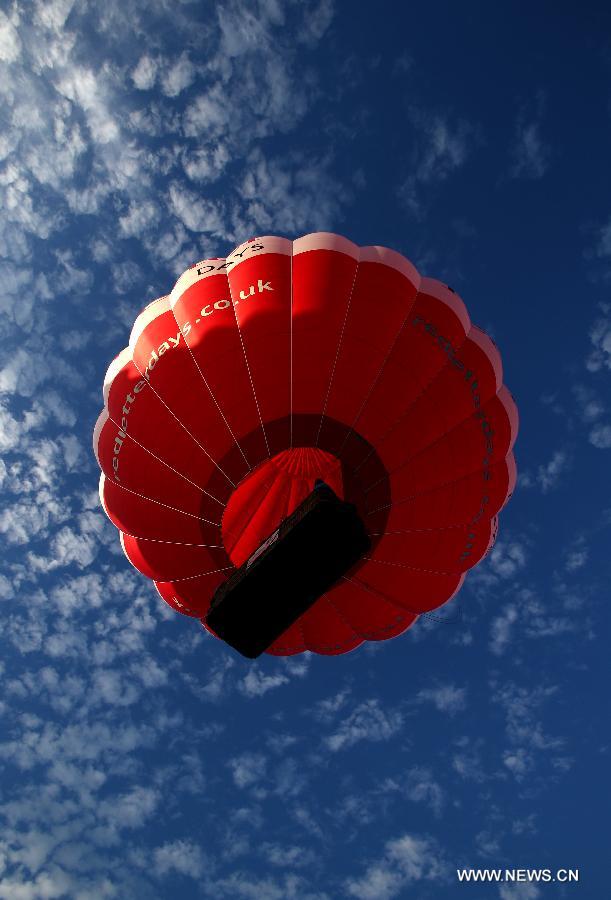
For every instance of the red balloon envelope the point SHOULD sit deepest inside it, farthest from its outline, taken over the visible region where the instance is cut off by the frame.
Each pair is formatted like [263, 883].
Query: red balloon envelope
[289, 362]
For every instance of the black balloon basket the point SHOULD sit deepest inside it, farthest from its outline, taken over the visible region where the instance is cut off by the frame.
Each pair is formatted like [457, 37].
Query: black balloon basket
[311, 550]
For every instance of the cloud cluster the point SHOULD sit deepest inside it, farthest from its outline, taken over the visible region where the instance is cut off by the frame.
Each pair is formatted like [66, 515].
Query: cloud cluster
[440, 149]
[407, 859]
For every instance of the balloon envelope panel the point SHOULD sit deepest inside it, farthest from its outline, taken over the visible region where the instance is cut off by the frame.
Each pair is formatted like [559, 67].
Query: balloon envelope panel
[288, 362]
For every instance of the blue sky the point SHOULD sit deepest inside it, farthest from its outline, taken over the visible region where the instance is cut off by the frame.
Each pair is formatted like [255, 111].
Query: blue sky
[138, 757]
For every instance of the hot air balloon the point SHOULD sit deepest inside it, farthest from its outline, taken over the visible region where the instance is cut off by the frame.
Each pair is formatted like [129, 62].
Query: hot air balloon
[306, 419]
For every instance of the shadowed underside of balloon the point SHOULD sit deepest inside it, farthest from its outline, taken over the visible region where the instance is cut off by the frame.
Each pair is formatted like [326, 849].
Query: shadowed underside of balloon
[292, 362]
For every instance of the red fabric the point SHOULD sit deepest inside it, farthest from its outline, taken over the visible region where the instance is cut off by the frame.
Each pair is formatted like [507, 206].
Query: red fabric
[288, 362]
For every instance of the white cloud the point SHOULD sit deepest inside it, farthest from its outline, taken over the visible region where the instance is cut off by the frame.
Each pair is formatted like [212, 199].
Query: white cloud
[56, 163]
[149, 672]
[600, 436]
[501, 629]
[10, 45]
[129, 810]
[534, 618]
[249, 887]
[488, 844]
[549, 474]
[288, 197]
[518, 761]
[539, 620]
[47, 884]
[172, 246]
[600, 337]
[368, 721]
[216, 683]
[577, 556]
[145, 73]
[507, 558]
[287, 856]
[53, 14]
[419, 786]
[6, 590]
[182, 856]
[317, 22]
[85, 89]
[56, 407]
[66, 547]
[73, 452]
[195, 212]
[467, 760]
[206, 164]
[208, 115]
[27, 519]
[248, 769]
[70, 278]
[243, 31]
[298, 666]
[325, 710]
[406, 860]
[62, 693]
[255, 683]
[589, 404]
[440, 150]
[528, 742]
[529, 152]
[288, 778]
[114, 688]
[446, 698]
[140, 217]
[40, 742]
[125, 276]
[178, 77]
